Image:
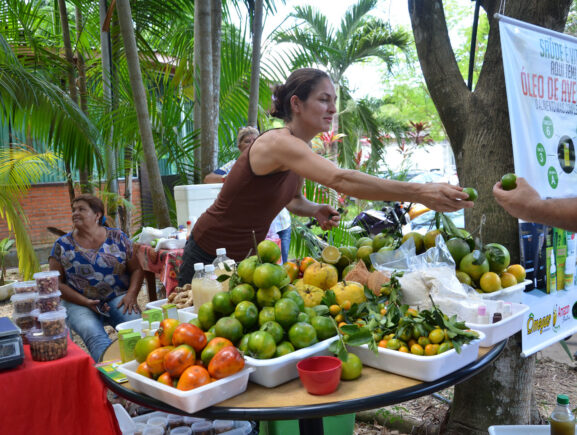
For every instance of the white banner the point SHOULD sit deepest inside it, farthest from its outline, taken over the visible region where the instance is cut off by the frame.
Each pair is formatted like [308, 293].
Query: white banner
[541, 79]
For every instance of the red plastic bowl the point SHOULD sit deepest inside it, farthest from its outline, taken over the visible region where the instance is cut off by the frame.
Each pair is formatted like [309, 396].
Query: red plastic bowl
[320, 374]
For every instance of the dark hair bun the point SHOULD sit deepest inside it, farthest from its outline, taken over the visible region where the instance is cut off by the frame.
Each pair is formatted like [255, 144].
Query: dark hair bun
[278, 94]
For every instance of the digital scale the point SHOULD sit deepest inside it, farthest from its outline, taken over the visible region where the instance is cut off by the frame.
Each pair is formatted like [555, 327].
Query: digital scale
[11, 349]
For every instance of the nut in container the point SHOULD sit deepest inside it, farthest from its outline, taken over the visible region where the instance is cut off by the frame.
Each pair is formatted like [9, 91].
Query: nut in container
[24, 287]
[47, 348]
[48, 302]
[53, 322]
[47, 282]
[23, 302]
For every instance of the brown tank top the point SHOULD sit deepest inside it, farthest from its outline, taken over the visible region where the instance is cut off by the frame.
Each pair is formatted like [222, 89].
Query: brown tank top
[245, 203]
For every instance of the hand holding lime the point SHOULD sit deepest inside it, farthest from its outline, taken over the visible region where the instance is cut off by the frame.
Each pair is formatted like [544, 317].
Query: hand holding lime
[472, 192]
[509, 181]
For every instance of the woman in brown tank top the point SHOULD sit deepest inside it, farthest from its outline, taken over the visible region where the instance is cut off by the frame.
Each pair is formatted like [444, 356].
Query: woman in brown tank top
[269, 176]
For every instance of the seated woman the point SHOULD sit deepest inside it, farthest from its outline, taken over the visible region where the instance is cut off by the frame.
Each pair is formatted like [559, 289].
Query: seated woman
[99, 276]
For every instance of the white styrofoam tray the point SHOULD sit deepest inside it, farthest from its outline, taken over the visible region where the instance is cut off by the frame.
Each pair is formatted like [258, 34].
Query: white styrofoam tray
[509, 294]
[495, 332]
[544, 429]
[424, 368]
[189, 401]
[275, 371]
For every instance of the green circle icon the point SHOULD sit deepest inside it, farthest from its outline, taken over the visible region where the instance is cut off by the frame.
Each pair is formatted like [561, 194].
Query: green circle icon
[552, 177]
[541, 154]
[548, 127]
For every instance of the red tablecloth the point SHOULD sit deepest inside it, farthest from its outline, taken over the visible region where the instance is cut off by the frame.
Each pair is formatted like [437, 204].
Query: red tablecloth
[164, 262]
[64, 396]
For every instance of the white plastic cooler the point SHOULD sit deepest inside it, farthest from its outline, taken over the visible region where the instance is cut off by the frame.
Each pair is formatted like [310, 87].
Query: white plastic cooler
[193, 199]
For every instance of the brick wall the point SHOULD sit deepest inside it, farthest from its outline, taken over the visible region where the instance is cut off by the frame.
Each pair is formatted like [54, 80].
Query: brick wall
[48, 205]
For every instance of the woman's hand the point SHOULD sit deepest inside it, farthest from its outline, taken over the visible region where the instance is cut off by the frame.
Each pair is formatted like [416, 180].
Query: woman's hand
[129, 303]
[93, 305]
[327, 217]
[444, 197]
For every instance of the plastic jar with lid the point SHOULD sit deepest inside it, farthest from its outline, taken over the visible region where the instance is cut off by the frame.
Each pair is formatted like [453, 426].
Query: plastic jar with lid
[48, 301]
[24, 287]
[23, 302]
[52, 322]
[47, 282]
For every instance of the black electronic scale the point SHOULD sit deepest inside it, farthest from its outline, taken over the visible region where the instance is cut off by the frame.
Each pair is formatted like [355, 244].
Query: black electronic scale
[11, 349]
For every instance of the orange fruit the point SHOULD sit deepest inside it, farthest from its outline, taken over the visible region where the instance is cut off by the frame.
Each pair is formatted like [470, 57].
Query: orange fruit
[509, 181]
[229, 327]
[268, 251]
[431, 349]
[291, 269]
[261, 345]
[155, 360]
[302, 335]
[268, 275]
[167, 327]
[429, 240]
[166, 379]
[143, 370]
[508, 279]
[247, 313]
[187, 333]
[351, 367]
[417, 349]
[474, 264]
[490, 282]
[193, 377]
[306, 262]
[179, 359]
[144, 346]
[472, 192]
[436, 336]
[517, 271]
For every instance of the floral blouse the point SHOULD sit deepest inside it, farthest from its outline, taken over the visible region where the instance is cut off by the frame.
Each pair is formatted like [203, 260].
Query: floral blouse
[96, 273]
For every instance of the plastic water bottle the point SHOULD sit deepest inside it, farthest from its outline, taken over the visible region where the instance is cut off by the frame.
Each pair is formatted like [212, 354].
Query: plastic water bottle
[562, 419]
[196, 283]
[221, 263]
[208, 287]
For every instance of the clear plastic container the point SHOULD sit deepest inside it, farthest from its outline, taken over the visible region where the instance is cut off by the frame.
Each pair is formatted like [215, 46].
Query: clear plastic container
[221, 263]
[160, 421]
[45, 348]
[23, 303]
[221, 426]
[202, 428]
[174, 420]
[24, 287]
[196, 283]
[48, 302]
[207, 288]
[24, 321]
[153, 430]
[47, 282]
[181, 430]
[139, 428]
[52, 322]
[562, 419]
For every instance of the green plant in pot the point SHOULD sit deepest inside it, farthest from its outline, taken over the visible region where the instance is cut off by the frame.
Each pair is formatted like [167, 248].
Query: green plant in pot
[5, 246]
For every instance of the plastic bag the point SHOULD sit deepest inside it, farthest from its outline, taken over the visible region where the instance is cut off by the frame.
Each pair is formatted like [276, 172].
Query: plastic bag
[149, 234]
[431, 273]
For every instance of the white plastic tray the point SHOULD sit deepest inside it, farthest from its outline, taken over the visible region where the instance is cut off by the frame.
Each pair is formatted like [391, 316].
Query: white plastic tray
[520, 430]
[156, 304]
[131, 324]
[509, 294]
[496, 332]
[272, 372]
[424, 368]
[188, 401]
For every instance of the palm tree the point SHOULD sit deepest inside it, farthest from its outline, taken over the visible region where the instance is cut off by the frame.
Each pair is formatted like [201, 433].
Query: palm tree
[360, 37]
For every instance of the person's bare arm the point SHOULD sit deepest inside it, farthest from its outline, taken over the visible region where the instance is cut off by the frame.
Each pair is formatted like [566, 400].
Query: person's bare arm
[289, 153]
[136, 278]
[68, 293]
[525, 203]
[213, 178]
[326, 216]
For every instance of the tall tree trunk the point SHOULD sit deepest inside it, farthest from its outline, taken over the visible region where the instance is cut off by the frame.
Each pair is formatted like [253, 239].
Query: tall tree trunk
[110, 151]
[85, 173]
[71, 80]
[477, 124]
[215, 33]
[159, 204]
[197, 105]
[255, 64]
[206, 87]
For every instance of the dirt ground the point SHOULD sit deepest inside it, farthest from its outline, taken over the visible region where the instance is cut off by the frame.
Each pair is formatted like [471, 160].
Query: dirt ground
[553, 376]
